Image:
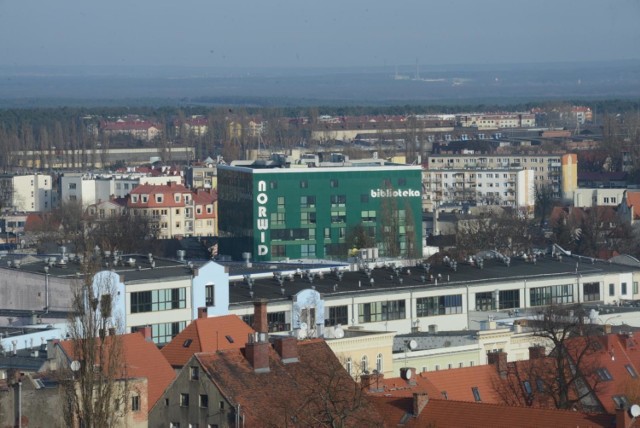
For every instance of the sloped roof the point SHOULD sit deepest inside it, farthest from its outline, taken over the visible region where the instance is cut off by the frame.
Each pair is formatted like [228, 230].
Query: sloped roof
[633, 200]
[207, 335]
[142, 360]
[294, 393]
[450, 413]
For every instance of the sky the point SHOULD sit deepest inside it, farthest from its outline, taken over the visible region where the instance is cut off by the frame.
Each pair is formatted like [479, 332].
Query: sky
[330, 33]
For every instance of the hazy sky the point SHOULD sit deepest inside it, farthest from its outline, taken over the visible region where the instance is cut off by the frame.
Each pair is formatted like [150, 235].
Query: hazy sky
[315, 33]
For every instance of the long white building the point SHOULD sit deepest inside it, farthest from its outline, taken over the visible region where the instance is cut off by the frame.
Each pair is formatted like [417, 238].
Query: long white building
[26, 193]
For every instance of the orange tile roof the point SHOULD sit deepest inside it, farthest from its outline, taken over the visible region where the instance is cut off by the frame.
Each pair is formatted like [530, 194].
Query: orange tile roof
[458, 414]
[293, 394]
[633, 200]
[142, 360]
[207, 335]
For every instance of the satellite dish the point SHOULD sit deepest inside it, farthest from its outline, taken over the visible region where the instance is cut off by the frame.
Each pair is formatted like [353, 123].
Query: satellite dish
[75, 365]
[303, 325]
[406, 374]
[412, 345]
[634, 411]
[338, 333]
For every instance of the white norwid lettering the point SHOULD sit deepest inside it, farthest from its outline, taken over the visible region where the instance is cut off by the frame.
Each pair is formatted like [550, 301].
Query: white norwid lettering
[262, 198]
[262, 222]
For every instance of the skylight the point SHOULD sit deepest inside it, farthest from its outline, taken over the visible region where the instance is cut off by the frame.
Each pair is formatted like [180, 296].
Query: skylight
[476, 393]
[187, 343]
[229, 339]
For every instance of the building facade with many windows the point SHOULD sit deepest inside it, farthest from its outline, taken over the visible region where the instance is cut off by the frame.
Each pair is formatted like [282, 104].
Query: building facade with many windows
[310, 213]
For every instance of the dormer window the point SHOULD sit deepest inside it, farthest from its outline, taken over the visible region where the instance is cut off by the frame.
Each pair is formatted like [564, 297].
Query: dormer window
[159, 199]
[199, 210]
[177, 197]
[209, 210]
[145, 199]
[134, 199]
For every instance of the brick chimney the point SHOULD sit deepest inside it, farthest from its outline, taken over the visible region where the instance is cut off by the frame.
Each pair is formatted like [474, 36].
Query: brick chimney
[420, 399]
[202, 313]
[536, 352]
[257, 352]
[146, 333]
[408, 374]
[287, 348]
[627, 340]
[372, 382]
[260, 323]
[498, 359]
[607, 329]
[623, 418]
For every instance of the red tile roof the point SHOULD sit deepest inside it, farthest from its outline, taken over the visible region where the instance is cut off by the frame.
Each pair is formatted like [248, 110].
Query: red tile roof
[295, 394]
[142, 360]
[207, 335]
[633, 200]
[167, 190]
[456, 414]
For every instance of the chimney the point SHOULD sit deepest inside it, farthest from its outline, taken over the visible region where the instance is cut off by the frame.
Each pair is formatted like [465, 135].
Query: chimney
[607, 329]
[112, 331]
[257, 352]
[146, 333]
[420, 399]
[627, 340]
[536, 352]
[202, 312]
[372, 382]
[623, 418]
[260, 323]
[408, 374]
[499, 359]
[287, 348]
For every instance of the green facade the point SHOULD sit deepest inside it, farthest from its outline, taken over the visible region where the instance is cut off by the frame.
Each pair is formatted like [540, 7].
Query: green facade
[294, 213]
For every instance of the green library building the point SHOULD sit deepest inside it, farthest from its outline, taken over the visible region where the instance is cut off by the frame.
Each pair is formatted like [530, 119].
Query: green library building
[278, 213]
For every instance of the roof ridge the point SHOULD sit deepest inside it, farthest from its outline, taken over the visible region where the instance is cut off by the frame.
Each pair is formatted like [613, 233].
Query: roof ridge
[515, 407]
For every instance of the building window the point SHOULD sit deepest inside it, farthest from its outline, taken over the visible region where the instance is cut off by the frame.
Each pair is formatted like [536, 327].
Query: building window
[273, 185]
[338, 216]
[72, 186]
[338, 201]
[307, 201]
[476, 393]
[485, 301]
[439, 305]
[622, 402]
[369, 215]
[278, 219]
[145, 198]
[304, 184]
[509, 299]
[135, 403]
[164, 332]
[349, 366]
[209, 295]
[381, 311]
[623, 288]
[612, 290]
[204, 400]
[327, 233]
[379, 363]
[184, 400]
[281, 203]
[333, 183]
[364, 364]
[308, 218]
[338, 315]
[591, 291]
[276, 321]
[158, 300]
[195, 373]
[604, 374]
[159, 199]
[307, 250]
[278, 250]
[631, 371]
[552, 295]
[635, 287]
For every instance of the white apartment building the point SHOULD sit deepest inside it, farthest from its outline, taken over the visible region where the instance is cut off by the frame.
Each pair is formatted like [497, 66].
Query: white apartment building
[505, 187]
[26, 193]
[560, 172]
[90, 189]
[591, 197]
[488, 121]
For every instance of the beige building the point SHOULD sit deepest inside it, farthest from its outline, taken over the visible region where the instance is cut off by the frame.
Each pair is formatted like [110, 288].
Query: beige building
[27, 193]
[489, 121]
[559, 172]
[362, 351]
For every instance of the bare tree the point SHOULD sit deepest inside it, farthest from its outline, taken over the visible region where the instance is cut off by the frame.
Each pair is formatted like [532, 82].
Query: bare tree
[567, 377]
[95, 389]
